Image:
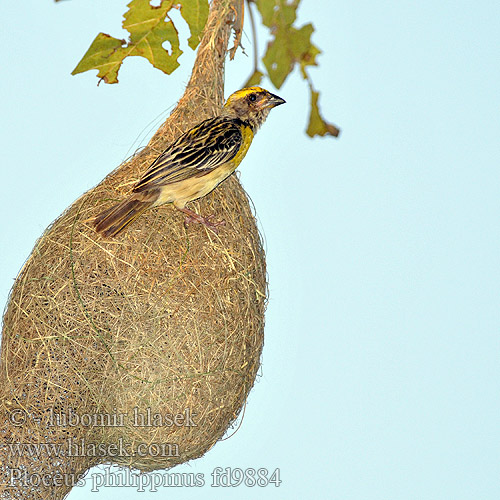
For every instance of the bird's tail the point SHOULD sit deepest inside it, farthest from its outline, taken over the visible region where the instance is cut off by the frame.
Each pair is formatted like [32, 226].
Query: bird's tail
[113, 220]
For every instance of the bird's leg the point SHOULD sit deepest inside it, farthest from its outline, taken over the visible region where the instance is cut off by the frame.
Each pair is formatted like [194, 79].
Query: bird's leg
[199, 219]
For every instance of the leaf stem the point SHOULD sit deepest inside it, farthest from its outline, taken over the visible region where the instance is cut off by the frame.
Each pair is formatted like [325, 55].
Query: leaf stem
[254, 36]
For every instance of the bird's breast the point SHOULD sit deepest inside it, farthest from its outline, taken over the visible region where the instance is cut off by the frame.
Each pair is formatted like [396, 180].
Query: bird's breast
[247, 137]
[198, 186]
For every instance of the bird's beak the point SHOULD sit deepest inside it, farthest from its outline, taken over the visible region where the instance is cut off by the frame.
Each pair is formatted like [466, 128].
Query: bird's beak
[273, 101]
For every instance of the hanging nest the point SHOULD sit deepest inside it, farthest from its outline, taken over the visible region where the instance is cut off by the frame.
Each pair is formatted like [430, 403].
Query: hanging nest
[141, 350]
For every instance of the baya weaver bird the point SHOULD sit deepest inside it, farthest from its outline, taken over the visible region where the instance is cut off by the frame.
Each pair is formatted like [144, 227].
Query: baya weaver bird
[194, 164]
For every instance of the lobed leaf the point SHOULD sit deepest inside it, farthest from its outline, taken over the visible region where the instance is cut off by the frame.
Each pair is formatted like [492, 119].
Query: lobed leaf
[104, 54]
[254, 79]
[303, 49]
[278, 59]
[195, 13]
[148, 32]
[317, 125]
[277, 12]
[291, 46]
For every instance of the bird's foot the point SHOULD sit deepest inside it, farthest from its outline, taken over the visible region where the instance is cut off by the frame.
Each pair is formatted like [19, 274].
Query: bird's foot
[200, 219]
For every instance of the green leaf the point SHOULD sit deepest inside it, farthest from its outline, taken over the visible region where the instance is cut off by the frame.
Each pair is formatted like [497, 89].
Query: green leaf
[302, 48]
[266, 9]
[195, 13]
[317, 125]
[148, 32]
[106, 55]
[290, 45]
[254, 79]
[278, 59]
[276, 12]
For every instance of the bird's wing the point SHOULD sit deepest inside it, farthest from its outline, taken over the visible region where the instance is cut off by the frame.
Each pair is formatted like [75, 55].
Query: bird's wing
[197, 152]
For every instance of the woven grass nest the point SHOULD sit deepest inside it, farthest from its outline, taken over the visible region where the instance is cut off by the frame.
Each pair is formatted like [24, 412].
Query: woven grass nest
[164, 320]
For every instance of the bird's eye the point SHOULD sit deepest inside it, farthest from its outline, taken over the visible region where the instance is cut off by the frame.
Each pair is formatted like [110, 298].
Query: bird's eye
[252, 97]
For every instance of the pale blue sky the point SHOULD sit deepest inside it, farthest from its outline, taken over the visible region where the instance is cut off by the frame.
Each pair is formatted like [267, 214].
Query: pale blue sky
[381, 367]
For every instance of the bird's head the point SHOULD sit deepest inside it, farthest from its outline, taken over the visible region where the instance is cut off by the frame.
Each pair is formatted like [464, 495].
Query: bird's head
[251, 105]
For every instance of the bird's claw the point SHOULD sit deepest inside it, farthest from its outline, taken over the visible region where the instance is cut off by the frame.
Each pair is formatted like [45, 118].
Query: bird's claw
[206, 221]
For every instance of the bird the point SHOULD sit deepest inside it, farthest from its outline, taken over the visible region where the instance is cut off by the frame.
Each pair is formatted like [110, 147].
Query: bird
[195, 163]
